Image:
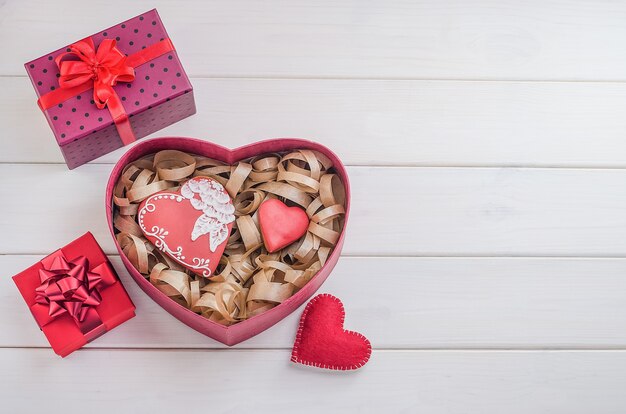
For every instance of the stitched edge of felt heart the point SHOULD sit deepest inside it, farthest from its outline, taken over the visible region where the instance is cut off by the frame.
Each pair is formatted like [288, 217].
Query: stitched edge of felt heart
[297, 344]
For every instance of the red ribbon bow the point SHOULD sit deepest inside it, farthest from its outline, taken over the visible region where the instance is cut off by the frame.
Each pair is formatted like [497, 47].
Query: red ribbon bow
[70, 287]
[104, 67]
[84, 67]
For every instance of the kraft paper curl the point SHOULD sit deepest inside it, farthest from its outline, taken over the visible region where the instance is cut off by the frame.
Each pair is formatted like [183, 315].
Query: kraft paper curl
[248, 280]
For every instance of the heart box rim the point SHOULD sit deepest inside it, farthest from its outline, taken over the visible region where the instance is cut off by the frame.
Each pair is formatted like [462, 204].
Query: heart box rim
[234, 334]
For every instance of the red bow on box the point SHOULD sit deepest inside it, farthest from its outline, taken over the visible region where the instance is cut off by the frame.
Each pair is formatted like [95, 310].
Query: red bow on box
[104, 67]
[71, 287]
[84, 67]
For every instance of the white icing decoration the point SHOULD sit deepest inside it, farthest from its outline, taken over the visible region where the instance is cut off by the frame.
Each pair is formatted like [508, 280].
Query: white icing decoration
[218, 211]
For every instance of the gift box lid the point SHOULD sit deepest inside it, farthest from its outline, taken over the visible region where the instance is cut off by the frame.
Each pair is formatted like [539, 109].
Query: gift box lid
[156, 81]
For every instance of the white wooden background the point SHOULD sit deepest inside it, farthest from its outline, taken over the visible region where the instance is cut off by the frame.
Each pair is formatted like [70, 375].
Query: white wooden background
[486, 254]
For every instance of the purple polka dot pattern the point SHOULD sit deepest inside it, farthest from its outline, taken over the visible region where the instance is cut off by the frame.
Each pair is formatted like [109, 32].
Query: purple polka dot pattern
[160, 95]
[106, 139]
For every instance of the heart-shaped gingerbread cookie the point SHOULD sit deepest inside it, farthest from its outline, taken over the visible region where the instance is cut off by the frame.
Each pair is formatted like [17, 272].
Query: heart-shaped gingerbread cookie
[281, 225]
[190, 225]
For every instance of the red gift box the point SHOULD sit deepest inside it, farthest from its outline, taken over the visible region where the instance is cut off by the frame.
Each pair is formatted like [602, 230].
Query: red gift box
[75, 295]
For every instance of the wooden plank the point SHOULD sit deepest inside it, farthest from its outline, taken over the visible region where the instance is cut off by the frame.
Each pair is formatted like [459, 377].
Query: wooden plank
[475, 39]
[395, 211]
[264, 381]
[421, 303]
[425, 123]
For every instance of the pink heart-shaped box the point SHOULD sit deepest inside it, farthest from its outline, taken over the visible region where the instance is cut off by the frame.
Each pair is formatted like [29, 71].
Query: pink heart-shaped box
[229, 335]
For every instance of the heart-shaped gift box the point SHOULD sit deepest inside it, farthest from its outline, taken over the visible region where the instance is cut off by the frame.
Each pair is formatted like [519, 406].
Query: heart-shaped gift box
[233, 334]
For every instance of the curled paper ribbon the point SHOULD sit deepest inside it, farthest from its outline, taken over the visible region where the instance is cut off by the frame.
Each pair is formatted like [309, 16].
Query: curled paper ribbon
[248, 280]
[70, 287]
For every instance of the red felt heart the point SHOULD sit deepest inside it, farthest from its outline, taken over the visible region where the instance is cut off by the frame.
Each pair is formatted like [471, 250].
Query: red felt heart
[190, 225]
[281, 225]
[321, 340]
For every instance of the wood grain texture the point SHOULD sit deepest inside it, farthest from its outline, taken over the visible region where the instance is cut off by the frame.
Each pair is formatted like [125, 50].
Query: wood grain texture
[442, 266]
[395, 211]
[474, 39]
[265, 381]
[409, 303]
[368, 122]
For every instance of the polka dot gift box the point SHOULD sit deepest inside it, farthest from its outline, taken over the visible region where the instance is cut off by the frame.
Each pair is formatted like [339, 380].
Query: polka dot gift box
[112, 88]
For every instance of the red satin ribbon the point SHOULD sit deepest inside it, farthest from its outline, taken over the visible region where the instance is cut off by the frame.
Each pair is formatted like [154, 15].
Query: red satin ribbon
[101, 69]
[70, 287]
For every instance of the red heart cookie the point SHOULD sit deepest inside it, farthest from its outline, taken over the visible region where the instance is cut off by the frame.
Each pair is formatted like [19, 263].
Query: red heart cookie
[281, 225]
[191, 225]
[321, 340]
